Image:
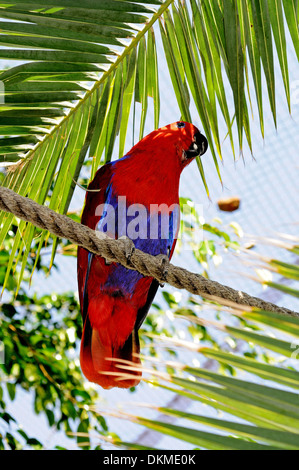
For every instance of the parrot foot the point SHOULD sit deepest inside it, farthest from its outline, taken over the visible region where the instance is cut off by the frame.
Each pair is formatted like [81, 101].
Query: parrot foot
[164, 267]
[129, 247]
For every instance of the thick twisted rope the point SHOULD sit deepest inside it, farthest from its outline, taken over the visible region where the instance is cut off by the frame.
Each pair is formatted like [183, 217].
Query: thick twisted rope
[117, 251]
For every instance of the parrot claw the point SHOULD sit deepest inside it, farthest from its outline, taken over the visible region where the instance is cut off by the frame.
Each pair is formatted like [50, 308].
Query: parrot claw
[129, 247]
[164, 267]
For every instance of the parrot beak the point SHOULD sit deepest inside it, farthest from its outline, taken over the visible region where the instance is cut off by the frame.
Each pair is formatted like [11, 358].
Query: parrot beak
[198, 147]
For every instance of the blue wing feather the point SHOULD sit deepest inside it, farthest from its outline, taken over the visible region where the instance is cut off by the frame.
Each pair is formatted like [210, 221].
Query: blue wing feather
[121, 278]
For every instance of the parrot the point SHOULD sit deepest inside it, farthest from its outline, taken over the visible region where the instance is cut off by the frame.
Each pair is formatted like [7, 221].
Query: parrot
[115, 300]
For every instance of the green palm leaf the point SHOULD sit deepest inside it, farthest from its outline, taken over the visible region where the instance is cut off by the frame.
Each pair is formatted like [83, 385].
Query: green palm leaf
[267, 415]
[257, 390]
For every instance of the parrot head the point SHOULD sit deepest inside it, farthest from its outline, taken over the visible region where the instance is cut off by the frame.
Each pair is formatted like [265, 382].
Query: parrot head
[160, 156]
[188, 140]
[180, 140]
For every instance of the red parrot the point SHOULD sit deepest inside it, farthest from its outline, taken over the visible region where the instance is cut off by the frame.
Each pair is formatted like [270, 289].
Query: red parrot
[115, 300]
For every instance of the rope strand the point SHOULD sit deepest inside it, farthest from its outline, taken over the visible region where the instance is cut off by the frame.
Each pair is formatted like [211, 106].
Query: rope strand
[116, 251]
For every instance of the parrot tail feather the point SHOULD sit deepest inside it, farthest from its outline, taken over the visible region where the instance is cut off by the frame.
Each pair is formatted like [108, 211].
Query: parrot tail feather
[106, 365]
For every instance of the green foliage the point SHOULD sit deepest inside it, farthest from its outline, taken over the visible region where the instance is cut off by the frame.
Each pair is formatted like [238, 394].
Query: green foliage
[40, 336]
[41, 342]
[254, 379]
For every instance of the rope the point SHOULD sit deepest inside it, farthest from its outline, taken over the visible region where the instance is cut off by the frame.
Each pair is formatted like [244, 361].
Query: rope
[117, 251]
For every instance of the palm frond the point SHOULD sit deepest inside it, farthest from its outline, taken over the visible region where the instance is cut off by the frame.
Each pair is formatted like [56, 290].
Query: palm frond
[254, 381]
[57, 114]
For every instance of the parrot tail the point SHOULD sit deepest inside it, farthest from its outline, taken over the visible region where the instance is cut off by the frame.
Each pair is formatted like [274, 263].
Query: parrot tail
[99, 362]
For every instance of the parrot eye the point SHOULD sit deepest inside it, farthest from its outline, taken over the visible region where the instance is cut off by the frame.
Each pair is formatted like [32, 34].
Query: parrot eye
[180, 124]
